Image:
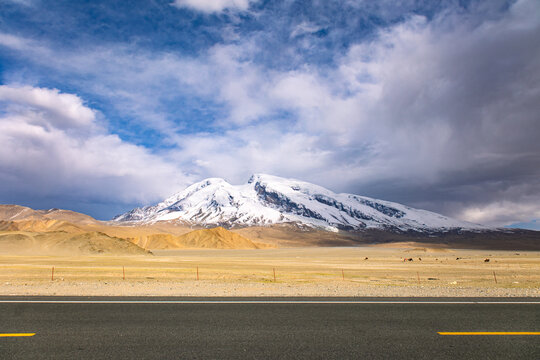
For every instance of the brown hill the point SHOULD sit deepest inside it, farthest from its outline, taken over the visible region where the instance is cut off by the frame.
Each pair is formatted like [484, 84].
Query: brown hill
[39, 226]
[216, 238]
[152, 236]
[63, 243]
[15, 212]
[18, 213]
[68, 216]
[285, 235]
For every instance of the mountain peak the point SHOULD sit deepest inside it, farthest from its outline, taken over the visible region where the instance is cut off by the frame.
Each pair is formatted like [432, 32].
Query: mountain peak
[258, 177]
[206, 182]
[270, 178]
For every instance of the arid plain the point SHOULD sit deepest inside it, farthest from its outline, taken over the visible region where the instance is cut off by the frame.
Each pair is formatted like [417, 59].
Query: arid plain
[298, 272]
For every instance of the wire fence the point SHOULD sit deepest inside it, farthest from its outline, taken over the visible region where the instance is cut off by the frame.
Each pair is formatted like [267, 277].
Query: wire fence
[513, 277]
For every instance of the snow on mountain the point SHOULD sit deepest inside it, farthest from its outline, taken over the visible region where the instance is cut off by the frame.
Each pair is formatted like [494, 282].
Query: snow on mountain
[267, 200]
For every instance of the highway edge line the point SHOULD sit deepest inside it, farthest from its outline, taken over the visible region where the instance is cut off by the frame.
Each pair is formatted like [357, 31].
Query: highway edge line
[262, 302]
[490, 333]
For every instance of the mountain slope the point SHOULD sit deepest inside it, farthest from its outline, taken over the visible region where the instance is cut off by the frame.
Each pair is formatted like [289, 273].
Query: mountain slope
[216, 238]
[39, 226]
[63, 243]
[18, 213]
[267, 200]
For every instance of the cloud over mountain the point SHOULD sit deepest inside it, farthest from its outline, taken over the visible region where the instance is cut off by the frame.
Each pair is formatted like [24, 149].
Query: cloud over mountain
[434, 105]
[55, 149]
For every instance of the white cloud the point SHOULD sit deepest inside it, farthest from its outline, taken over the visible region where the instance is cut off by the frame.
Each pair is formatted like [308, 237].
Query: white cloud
[422, 106]
[61, 110]
[41, 156]
[12, 41]
[430, 106]
[502, 213]
[236, 154]
[213, 6]
[304, 28]
[225, 73]
[446, 106]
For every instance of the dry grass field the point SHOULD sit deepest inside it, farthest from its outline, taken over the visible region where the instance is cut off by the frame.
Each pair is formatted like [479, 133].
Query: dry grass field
[359, 271]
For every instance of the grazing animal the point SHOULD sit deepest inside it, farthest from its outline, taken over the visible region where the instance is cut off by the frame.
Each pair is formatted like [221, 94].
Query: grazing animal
[486, 260]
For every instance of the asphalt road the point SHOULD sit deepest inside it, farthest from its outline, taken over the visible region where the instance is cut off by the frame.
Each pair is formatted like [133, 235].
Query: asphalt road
[298, 329]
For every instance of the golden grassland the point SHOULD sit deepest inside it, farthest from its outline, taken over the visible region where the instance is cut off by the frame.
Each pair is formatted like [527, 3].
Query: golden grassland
[298, 271]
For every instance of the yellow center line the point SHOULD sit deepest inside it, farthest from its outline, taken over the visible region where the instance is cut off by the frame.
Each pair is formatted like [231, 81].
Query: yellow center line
[492, 333]
[17, 334]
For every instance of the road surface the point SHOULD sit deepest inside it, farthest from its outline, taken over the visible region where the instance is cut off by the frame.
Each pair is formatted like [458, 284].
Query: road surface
[273, 328]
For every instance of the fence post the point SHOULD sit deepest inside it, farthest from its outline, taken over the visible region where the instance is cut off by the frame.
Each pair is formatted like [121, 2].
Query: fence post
[197, 273]
[274, 274]
[342, 274]
[52, 274]
[495, 277]
[123, 273]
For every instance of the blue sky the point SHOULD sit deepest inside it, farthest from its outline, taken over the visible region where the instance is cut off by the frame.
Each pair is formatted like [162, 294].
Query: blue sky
[105, 105]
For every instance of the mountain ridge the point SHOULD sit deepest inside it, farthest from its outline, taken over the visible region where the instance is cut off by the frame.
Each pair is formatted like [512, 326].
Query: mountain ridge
[267, 200]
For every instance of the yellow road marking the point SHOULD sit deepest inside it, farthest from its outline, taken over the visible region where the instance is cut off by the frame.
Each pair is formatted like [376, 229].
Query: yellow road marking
[17, 334]
[492, 333]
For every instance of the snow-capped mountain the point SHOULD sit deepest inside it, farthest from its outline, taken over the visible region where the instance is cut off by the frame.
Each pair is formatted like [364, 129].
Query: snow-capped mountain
[267, 200]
